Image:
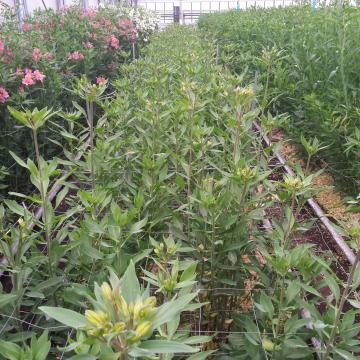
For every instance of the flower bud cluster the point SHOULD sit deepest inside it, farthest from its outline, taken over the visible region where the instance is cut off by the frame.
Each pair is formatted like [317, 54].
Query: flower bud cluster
[121, 322]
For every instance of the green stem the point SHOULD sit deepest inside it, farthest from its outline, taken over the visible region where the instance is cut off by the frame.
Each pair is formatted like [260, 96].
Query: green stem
[281, 304]
[44, 201]
[266, 85]
[237, 135]
[339, 310]
[308, 164]
[90, 115]
[287, 230]
[342, 64]
[190, 159]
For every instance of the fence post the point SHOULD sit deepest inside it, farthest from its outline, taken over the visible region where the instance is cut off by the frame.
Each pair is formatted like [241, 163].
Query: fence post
[133, 51]
[177, 14]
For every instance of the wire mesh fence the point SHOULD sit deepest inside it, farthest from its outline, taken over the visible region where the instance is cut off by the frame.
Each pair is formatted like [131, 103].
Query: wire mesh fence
[168, 11]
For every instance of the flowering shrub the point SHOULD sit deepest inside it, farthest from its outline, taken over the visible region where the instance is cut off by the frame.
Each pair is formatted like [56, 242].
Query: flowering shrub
[39, 61]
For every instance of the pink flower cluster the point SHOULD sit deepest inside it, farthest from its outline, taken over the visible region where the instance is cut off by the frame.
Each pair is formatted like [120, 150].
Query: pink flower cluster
[5, 52]
[76, 55]
[114, 42]
[31, 77]
[127, 29]
[26, 27]
[87, 45]
[4, 95]
[100, 80]
[91, 13]
[36, 55]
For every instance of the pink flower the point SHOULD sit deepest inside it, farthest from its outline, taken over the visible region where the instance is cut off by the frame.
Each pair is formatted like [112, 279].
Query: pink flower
[76, 55]
[3, 95]
[114, 42]
[100, 80]
[9, 52]
[36, 54]
[48, 55]
[127, 29]
[88, 45]
[125, 23]
[7, 60]
[95, 25]
[91, 13]
[28, 79]
[26, 27]
[2, 46]
[107, 22]
[39, 76]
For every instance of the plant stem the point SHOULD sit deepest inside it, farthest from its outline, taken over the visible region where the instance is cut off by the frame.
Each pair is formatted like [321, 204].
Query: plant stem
[308, 164]
[287, 230]
[237, 134]
[267, 84]
[339, 310]
[90, 115]
[342, 65]
[43, 200]
[190, 159]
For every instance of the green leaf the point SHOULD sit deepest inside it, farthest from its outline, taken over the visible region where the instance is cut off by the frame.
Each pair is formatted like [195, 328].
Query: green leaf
[189, 272]
[130, 287]
[167, 311]
[67, 317]
[266, 304]
[344, 354]
[18, 160]
[292, 291]
[14, 207]
[201, 355]
[9, 350]
[6, 299]
[40, 348]
[193, 340]
[61, 195]
[137, 227]
[83, 357]
[166, 347]
[332, 284]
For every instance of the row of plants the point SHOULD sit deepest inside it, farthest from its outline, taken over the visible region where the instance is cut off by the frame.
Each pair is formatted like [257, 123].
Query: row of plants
[155, 245]
[39, 60]
[307, 60]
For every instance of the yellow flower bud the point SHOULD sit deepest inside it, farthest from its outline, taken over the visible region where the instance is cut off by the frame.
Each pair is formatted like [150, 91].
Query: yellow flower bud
[268, 344]
[144, 328]
[97, 318]
[118, 327]
[138, 306]
[122, 307]
[131, 308]
[106, 291]
[150, 301]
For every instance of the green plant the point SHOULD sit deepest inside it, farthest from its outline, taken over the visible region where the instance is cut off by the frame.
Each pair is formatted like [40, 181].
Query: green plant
[38, 350]
[304, 63]
[124, 319]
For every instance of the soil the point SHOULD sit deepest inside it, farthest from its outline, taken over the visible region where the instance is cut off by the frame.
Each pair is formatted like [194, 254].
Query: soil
[330, 199]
